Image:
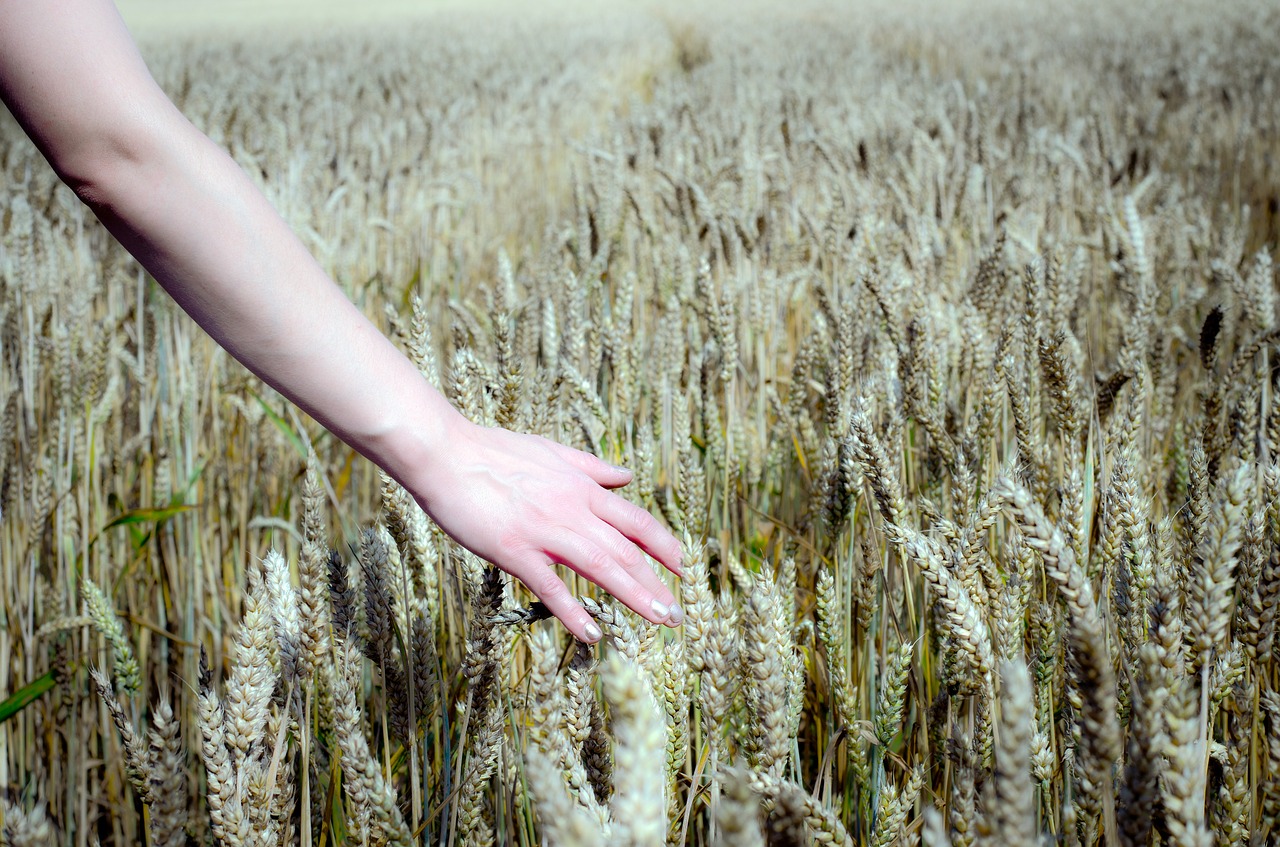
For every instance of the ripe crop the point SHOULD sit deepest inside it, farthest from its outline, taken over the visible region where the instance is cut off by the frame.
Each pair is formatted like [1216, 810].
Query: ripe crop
[945, 336]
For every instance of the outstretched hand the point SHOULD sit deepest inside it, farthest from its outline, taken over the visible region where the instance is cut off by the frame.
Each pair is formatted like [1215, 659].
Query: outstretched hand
[75, 81]
[526, 503]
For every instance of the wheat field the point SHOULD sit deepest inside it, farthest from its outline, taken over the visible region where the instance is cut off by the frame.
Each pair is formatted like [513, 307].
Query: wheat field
[944, 335]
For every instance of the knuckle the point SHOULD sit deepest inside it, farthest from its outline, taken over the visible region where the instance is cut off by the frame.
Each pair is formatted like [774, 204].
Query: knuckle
[642, 523]
[598, 561]
[540, 513]
[675, 550]
[546, 584]
[630, 556]
[510, 544]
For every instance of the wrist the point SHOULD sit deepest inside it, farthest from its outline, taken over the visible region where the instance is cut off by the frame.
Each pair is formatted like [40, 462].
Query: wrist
[417, 445]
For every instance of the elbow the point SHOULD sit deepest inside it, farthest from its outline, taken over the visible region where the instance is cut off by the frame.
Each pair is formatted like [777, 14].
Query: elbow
[104, 166]
[86, 179]
[97, 170]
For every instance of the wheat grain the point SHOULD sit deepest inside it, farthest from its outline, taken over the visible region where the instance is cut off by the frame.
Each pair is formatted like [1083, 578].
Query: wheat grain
[637, 807]
[168, 777]
[124, 665]
[22, 828]
[373, 798]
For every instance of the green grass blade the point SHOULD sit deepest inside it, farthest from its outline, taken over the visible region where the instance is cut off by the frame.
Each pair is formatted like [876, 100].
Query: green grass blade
[135, 516]
[25, 696]
[283, 425]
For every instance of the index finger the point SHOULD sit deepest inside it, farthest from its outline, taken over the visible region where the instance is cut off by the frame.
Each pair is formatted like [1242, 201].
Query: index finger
[600, 471]
[539, 577]
[642, 528]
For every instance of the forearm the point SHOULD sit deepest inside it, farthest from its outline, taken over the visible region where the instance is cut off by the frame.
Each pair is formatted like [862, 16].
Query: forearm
[198, 224]
[204, 231]
[74, 79]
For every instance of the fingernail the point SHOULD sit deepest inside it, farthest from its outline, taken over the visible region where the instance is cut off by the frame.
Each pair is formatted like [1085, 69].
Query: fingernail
[677, 616]
[660, 609]
[593, 631]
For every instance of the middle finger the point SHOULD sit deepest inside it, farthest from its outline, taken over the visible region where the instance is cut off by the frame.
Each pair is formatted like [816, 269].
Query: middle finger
[595, 563]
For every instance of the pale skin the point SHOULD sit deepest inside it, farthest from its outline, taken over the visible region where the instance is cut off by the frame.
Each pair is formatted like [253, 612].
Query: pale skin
[72, 76]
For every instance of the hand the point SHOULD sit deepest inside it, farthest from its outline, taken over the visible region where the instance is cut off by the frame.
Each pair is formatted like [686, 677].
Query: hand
[77, 84]
[525, 503]
[74, 79]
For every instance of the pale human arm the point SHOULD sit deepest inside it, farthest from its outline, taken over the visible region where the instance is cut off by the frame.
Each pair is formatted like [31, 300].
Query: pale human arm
[72, 76]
